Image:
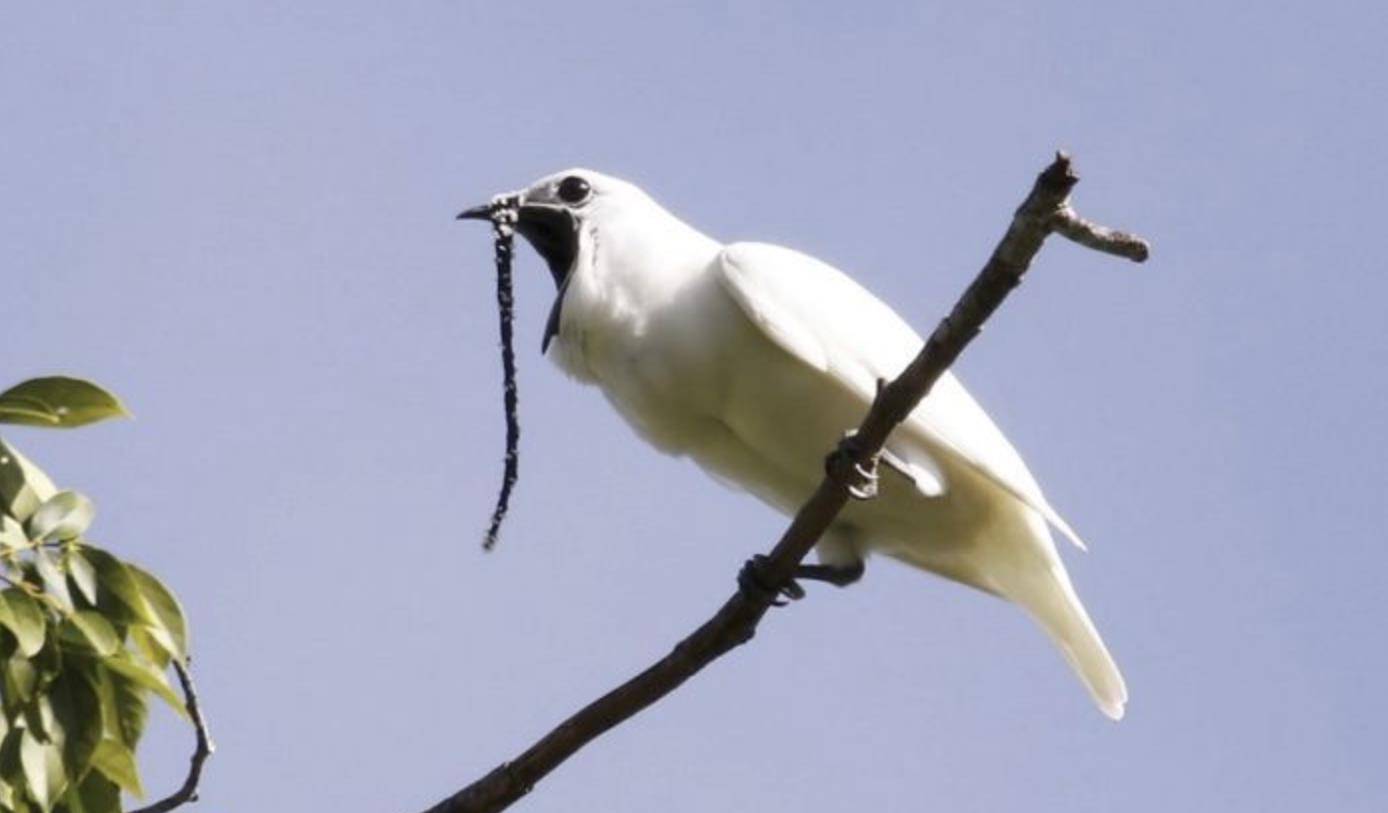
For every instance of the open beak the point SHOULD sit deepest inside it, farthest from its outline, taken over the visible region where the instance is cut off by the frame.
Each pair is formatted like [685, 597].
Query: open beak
[551, 230]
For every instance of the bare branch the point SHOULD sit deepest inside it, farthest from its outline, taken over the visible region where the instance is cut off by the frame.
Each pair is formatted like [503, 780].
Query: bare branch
[1071, 226]
[1045, 210]
[189, 791]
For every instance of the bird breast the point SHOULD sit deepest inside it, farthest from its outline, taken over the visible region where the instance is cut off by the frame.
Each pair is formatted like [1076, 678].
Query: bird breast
[661, 347]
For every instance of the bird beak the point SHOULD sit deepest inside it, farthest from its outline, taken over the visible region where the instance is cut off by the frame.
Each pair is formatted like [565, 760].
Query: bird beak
[551, 230]
[483, 212]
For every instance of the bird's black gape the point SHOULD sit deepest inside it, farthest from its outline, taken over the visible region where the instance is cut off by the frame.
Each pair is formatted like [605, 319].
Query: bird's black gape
[554, 234]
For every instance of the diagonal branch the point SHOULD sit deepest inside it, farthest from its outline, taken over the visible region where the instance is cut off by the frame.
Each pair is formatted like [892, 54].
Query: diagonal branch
[1044, 211]
[189, 791]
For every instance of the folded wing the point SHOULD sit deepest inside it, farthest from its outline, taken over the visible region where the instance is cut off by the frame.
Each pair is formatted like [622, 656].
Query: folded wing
[831, 323]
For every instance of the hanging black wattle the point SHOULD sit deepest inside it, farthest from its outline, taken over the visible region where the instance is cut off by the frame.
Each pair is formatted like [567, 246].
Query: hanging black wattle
[503, 217]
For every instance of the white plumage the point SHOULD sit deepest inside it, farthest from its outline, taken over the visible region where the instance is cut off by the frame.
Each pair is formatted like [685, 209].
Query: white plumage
[753, 360]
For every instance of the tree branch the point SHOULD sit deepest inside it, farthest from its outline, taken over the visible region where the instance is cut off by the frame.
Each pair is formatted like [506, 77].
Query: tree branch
[1045, 210]
[189, 791]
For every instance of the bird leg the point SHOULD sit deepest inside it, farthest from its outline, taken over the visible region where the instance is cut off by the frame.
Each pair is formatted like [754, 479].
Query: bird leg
[754, 584]
[837, 575]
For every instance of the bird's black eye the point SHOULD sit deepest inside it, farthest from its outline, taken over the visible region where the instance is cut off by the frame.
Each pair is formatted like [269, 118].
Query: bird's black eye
[574, 189]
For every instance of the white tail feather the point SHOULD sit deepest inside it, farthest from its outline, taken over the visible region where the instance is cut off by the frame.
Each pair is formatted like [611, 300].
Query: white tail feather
[1055, 606]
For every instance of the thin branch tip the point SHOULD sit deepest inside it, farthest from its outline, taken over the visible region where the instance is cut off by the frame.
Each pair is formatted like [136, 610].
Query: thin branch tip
[1068, 224]
[1059, 179]
[1060, 175]
[188, 792]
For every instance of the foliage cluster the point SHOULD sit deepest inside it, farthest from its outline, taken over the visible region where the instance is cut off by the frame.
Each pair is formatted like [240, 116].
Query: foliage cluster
[85, 638]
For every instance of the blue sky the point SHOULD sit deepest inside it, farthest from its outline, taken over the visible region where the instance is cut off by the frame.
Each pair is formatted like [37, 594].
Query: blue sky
[238, 216]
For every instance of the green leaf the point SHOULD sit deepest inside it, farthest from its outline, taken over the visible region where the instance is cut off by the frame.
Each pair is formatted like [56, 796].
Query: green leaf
[97, 630]
[54, 582]
[39, 720]
[25, 618]
[149, 603]
[83, 575]
[146, 676]
[12, 769]
[17, 411]
[77, 710]
[118, 764]
[62, 517]
[116, 578]
[152, 651]
[58, 401]
[171, 631]
[9, 753]
[12, 534]
[123, 707]
[43, 770]
[94, 794]
[23, 486]
[20, 677]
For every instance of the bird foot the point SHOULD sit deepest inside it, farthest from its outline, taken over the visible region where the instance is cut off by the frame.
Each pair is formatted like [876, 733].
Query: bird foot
[753, 583]
[842, 465]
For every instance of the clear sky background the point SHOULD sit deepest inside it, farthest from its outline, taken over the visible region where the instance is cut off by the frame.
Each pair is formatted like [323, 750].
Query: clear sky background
[239, 217]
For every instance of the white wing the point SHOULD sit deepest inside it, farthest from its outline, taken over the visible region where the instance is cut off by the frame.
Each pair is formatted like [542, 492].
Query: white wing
[828, 321]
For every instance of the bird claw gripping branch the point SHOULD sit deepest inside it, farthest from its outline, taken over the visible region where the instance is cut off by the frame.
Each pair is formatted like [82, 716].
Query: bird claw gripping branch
[842, 464]
[755, 585]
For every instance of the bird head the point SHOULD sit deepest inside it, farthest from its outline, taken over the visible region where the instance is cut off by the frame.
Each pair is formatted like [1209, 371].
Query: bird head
[552, 213]
[567, 216]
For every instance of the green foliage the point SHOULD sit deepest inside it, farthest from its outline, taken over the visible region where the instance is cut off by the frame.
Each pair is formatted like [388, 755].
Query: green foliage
[58, 402]
[85, 638]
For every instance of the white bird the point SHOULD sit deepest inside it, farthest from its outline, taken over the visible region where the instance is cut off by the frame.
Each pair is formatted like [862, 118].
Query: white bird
[753, 360]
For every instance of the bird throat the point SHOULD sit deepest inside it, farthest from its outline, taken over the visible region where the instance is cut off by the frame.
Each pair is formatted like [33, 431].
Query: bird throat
[553, 233]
